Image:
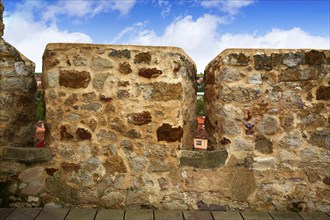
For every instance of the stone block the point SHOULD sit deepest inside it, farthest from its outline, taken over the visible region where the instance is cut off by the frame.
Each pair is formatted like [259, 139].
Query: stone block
[203, 159]
[27, 155]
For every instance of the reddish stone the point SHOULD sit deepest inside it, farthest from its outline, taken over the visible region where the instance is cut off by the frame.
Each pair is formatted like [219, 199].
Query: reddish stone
[326, 180]
[239, 59]
[140, 118]
[225, 141]
[125, 68]
[71, 99]
[167, 133]
[65, 135]
[31, 174]
[323, 93]
[115, 164]
[49, 59]
[166, 92]
[150, 72]
[123, 83]
[69, 167]
[51, 171]
[83, 134]
[104, 98]
[314, 57]
[74, 79]
[142, 58]
[33, 188]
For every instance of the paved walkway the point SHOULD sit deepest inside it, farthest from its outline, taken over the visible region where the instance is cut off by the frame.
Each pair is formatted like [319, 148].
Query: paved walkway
[149, 214]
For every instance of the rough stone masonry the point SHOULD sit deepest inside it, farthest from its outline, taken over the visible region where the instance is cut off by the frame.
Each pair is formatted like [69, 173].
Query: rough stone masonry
[120, 123]
[270, 109]
[17, 98]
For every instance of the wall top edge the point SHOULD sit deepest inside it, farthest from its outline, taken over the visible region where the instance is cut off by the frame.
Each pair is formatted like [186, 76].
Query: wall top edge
[268, 50]
[54, 46]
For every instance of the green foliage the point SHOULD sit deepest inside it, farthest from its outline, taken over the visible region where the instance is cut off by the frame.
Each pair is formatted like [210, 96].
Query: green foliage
[200, 107]
[40, 106]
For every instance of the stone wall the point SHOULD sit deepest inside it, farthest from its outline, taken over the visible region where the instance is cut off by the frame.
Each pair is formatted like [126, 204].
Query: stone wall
[270, 109]
[120, 122]
[117, 115]
[17, 98]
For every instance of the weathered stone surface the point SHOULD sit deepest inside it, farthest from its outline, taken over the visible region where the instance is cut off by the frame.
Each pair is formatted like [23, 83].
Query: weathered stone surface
[30, 174]
[83, 134]
[118, 125]
[295, 74]
[138, 163]
[255, 78]
[268, 125]
[262, 62]
[72, 99]
[294, 139]
[132, 133]
[229, 75]
[2, 26]
[163, 92]
[91, 107]
[142, 58]
[159, 166]
[27, 155]
[263, 145]
[167, 133]
[121, 53]
[293, 59]
[127, 145]
[240, 94]
[323, 93]
[106, 135]
[99, 63]
[115, 164]
[79, 60]
[125, 68]
[264, 163]
[70, 167]
[242, 184]
[283, 99]
[139, 118]
[99, 80]
[321, 139]
[239, 59]
[123, 94]
[89, 96]
[203, 159]
[150, 72]
[314, 57]
[74, 79]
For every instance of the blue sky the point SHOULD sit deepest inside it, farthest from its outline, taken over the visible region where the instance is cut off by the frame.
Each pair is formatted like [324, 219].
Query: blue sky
[203, 28]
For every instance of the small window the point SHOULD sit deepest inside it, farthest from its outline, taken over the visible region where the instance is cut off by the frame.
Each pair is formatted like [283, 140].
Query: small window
[198, 142]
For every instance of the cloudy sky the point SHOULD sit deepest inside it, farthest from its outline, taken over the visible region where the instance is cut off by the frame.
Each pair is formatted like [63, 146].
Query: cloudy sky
[203, 28]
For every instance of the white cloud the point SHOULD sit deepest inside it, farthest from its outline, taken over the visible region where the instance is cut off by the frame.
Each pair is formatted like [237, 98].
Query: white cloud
[32, 36]
[197, 37]
[202, 41]
[83, 8]
[166, 7]
[276, 38]
[228, 6]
